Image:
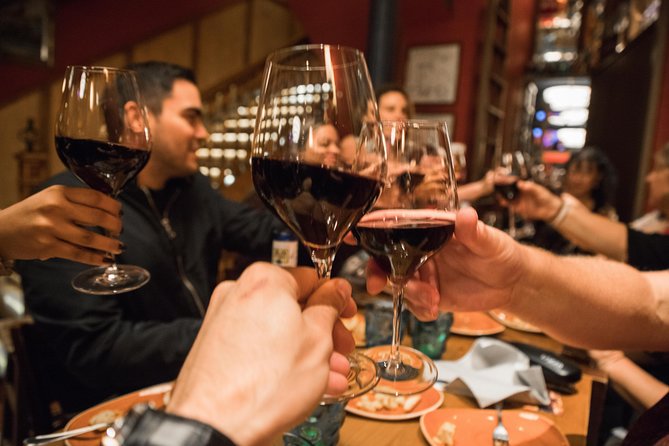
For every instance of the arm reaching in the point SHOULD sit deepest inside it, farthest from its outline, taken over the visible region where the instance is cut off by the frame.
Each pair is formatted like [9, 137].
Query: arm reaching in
[52, 223]
[270, 346]
[588, 302]
[573, 220]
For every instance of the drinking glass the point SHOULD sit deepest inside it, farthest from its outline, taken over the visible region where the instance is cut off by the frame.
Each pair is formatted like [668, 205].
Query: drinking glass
[413, 219]
[318, 157]
[510, 168]
[103, 139]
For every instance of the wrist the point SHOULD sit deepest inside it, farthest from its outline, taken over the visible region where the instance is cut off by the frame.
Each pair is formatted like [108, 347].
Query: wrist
[563, 206]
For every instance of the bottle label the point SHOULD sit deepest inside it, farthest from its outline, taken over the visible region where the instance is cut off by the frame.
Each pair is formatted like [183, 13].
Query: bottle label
[284, 252]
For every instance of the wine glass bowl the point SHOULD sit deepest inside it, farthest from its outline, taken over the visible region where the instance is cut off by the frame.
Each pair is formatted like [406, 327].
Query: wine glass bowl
[318, 157]
[102, 137]
[412, 220]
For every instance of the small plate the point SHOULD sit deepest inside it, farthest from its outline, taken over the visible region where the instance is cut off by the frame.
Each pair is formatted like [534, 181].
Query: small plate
[475, 426]
[156, 395]
[475, 323]
[430, 400]
[512, 321]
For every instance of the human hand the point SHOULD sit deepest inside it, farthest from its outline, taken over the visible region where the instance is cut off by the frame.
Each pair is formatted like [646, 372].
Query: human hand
[50, 224]
[476, 270]
[606, 359]
[271, 345]
[535, 202]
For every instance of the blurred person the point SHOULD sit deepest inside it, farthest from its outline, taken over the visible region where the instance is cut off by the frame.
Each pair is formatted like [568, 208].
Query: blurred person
[394, 103]
[323, 147]
[591, 179]
[223, 394]
[175, 226]
[52, 223]
[655, 221]
[619, 307]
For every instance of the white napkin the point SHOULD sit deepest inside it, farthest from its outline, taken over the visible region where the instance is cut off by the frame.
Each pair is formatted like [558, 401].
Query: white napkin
[492, 371]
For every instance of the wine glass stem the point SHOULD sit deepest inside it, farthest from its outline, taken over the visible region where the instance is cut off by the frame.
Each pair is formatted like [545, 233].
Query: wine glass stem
[323, 258]
[512, 222]
[394, 361]
[112, 272]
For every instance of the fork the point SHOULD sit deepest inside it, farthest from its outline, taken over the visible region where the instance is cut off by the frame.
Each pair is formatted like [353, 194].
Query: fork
[500, 436]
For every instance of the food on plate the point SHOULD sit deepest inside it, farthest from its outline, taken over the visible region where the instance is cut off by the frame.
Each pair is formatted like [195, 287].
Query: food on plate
[374, 401]
[445, 435]
[105, 416]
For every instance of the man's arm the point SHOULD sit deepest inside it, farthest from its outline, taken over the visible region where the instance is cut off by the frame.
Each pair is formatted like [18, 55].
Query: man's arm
[587, 230]
[583, 301]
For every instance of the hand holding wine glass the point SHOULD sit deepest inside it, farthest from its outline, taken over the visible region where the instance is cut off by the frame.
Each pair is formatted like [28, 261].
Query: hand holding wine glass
[102, 137]
[412, 220]
[510, 168]
[319, 163]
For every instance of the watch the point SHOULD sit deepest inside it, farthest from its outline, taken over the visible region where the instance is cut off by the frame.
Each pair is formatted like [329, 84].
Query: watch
[144, 426]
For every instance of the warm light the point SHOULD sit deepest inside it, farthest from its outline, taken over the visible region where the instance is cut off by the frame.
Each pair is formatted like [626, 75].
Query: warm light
[564, 97]
[575, 117]
[572, 138]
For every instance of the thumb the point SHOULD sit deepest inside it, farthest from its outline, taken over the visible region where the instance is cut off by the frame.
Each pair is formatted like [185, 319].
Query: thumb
[480, 239]
[327, 303]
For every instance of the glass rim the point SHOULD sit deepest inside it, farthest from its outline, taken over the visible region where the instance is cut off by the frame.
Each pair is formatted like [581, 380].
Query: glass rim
[416, 122]
[98, 68]
[274, 58]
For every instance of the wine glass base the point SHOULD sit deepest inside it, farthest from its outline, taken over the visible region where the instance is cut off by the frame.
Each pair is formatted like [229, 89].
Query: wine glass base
[415, 374]
[362, 378]
[104, 281]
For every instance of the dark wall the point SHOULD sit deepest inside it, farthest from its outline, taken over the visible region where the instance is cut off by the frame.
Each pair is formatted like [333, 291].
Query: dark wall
[619, 109]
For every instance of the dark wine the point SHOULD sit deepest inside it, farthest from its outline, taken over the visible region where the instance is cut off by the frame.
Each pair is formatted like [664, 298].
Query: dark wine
[508, 191]
[401, 240]
[320, 205]
[104, 166]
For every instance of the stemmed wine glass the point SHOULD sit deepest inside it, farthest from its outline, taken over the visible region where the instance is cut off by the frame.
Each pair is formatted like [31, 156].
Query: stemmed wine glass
[102, 137]
[318, 157]
[413, 219]
[510, 168]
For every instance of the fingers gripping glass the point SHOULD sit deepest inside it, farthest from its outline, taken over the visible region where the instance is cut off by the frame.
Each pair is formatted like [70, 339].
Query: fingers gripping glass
[412, 220]
[510, 168]
[102, 137]
[319, 162]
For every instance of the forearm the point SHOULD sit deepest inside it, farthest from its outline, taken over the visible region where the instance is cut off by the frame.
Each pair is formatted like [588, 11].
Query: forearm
[593, 232]
[592, 302]
[635, 383]
[472, 191]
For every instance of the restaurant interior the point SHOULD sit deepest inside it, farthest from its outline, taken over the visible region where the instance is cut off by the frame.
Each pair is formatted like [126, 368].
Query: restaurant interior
[547, 78]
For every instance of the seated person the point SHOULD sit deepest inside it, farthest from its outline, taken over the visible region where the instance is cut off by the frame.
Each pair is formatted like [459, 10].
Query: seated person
[655, 221]
[175, 225]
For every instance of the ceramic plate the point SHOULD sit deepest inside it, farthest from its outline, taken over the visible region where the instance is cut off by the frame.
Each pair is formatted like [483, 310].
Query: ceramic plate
[475, 426]
[157, 396]
[430, 400]
[514, 322]
[475, 324]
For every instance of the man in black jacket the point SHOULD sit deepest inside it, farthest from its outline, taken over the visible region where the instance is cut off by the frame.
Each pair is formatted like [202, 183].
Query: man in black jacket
[175, 226]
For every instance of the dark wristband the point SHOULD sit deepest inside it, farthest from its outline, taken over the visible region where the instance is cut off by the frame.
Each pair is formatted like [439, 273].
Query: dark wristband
[143, 426]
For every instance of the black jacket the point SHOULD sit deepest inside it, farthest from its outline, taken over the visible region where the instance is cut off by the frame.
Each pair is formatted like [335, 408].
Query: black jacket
[92, 347]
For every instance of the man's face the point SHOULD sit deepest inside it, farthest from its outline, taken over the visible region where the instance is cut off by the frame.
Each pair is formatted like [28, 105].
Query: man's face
[178, 132]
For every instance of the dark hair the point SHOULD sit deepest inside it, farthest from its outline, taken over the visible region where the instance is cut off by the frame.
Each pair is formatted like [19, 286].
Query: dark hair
[156, 80]
[393, 88]
[603, 193]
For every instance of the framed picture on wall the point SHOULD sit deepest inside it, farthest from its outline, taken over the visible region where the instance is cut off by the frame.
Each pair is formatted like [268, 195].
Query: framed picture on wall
[449, 118]
[432, 73]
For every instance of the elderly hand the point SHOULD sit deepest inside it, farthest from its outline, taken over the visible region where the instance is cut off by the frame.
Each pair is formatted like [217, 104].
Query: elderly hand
[51, 224]
[270, 346]
[476, 270]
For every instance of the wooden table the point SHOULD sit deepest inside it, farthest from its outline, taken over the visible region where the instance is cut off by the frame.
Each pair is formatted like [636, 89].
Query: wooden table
[581, 410]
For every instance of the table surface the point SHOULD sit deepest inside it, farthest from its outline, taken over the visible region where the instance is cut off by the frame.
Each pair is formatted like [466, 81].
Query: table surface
[573, 422]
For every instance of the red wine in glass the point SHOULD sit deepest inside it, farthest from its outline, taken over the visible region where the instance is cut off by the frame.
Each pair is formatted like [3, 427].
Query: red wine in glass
[318, 204]
[103, 166]
[402, 240]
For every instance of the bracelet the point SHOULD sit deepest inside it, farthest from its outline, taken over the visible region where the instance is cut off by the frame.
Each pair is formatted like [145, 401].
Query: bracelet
[565, 207]
[6, 267]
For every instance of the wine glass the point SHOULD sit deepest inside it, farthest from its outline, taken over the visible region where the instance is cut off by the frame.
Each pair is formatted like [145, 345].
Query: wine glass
[102, 137]
[510, 168]
[318, 157]
[413, 219]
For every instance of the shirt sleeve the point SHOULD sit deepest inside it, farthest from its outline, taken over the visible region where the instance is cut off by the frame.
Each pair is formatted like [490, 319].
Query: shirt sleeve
[647, 252]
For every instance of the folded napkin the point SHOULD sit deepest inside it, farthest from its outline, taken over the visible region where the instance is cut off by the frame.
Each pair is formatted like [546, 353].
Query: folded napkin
[492, 371]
